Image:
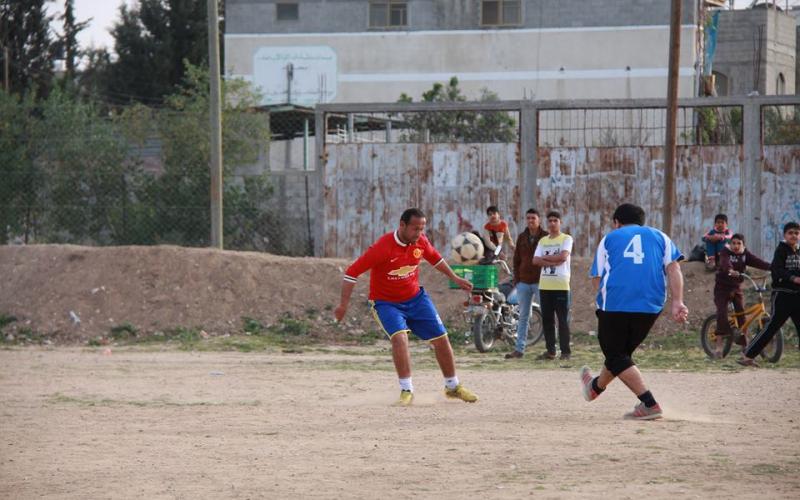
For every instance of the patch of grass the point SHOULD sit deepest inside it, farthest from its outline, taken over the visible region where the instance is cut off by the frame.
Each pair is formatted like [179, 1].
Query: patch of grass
[23, 336]
[124, 331]
[59, 398]
[459, 336]
[371, 337]
[289, 326]
[767, 469]
[188, 338]
[252, 326]
[156, 337]
[5, 320]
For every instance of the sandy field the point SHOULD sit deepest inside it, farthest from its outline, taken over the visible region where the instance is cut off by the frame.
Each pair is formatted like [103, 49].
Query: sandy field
[78, 423]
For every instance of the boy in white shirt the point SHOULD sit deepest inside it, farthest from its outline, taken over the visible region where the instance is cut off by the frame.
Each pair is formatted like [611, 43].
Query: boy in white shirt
[552, 255]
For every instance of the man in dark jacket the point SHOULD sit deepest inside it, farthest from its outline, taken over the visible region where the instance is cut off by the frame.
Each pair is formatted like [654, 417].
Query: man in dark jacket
[526, 276]
[733, 261]
[785, 292]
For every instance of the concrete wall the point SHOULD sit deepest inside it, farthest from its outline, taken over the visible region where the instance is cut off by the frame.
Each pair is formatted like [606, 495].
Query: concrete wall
[367, 187]
[348, 16]
[738, 44]
[553, 64]
[563, 49]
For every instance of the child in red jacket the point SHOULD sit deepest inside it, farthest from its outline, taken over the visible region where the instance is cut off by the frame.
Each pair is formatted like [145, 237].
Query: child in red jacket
[728, 285]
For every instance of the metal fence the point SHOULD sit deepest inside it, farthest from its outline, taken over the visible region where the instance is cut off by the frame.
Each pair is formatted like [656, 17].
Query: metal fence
[327, 181]
[141, 177]
[738, 155]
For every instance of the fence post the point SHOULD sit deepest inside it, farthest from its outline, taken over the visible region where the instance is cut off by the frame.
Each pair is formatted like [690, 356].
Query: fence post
[319, 217]
[751, 178]
[529, 160]
[215, 116]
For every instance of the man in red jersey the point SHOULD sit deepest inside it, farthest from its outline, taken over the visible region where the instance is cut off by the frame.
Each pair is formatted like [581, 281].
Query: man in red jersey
[400, 305]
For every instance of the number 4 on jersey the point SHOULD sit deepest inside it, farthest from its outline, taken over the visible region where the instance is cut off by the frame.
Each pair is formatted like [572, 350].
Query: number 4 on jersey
[634, 250]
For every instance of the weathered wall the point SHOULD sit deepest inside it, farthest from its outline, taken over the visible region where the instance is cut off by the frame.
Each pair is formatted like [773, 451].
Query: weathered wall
[780, 185]
[587, 184]
[332, 16]
[367, 187]
[515, 64]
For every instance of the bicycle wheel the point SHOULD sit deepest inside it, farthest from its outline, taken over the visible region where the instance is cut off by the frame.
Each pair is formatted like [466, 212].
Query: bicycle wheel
[535, 327]
[715, 346]
[773, 351]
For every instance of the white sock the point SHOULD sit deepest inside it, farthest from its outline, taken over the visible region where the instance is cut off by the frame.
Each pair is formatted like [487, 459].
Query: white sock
[406, 385]
[451, 382]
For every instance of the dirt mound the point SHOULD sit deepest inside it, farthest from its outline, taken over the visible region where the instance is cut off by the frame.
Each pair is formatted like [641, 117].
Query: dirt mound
[72, 293]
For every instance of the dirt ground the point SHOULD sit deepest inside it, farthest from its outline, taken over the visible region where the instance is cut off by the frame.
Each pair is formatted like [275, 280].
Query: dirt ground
[77, 423]
[163, 287]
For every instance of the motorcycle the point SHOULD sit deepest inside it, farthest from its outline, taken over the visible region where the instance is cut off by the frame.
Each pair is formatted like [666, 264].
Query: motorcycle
[493, 313]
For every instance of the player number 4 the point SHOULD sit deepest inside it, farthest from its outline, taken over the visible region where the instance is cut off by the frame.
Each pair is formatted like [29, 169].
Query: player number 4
[634, 250]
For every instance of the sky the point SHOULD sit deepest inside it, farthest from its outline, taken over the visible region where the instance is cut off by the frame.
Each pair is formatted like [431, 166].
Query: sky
[105, 12]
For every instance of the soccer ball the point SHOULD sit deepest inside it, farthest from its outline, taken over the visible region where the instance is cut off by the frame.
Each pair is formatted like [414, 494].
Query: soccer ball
[466, 249]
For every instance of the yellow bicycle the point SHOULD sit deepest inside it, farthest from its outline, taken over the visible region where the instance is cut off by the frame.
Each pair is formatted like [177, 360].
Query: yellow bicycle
[755, 316]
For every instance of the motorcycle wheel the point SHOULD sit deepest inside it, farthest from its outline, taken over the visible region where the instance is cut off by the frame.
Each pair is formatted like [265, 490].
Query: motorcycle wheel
[483, 329]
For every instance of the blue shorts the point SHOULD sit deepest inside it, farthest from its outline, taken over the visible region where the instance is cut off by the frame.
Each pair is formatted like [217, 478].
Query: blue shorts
[417, 315]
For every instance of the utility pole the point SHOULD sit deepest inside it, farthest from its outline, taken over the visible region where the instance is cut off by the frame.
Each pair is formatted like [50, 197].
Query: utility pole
[672, 113]
[215, 112]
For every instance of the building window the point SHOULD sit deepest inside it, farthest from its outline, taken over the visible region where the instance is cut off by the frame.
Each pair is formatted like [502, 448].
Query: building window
[286, 12]
[501, 13]
[388, 14]
[721, 83]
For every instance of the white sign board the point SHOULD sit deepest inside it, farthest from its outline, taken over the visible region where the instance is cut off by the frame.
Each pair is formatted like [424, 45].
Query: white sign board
[304, 75]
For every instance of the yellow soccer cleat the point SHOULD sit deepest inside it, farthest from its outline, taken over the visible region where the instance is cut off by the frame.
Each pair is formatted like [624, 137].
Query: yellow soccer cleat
[406, 397]
[462, 393]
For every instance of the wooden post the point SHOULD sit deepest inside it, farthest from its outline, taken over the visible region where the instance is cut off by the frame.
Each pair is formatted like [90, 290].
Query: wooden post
[672, 114]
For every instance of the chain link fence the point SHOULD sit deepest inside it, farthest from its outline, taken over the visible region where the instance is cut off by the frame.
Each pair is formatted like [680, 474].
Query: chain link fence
[75, 173]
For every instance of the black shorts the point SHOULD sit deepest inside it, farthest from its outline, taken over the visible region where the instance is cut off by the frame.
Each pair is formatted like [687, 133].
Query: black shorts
[620, 333]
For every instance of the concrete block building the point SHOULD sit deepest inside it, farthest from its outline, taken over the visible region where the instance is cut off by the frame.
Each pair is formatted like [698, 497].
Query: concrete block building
[756, 52]
[310, 51]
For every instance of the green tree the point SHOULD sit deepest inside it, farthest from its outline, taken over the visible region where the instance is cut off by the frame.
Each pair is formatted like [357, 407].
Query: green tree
[152, 39]
[781, 125]
[461, 126]
[25, 32]
[85, 160]
[68, 43]
[180, 195]
[20, 191]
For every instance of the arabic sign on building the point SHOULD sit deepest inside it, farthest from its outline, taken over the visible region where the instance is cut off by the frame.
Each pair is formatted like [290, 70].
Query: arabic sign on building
[296, 75]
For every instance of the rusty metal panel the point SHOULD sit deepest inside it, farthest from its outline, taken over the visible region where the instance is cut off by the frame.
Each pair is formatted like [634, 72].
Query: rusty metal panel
[780, 187]
[367, 186]
[587, 184]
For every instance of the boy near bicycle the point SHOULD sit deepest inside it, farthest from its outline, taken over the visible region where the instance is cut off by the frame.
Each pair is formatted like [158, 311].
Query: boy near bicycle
[785, 292]
[733, 261]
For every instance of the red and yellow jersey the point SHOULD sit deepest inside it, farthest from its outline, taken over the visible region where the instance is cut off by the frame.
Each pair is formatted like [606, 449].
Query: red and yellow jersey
[393, 266]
